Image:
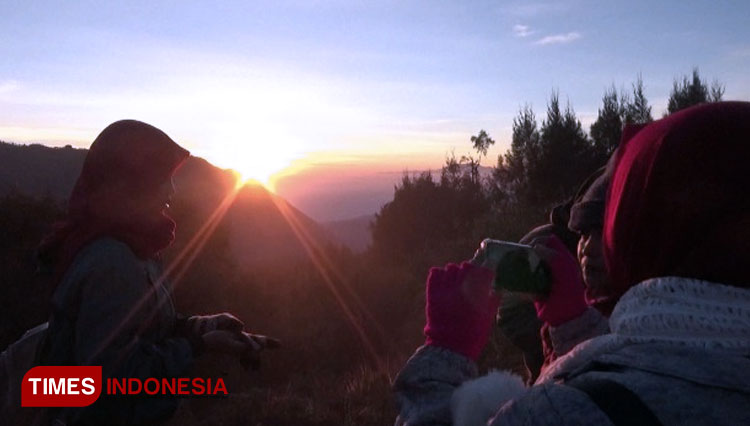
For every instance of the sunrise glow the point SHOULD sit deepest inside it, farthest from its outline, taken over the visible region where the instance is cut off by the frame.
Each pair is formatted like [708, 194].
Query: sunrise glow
[327, 104]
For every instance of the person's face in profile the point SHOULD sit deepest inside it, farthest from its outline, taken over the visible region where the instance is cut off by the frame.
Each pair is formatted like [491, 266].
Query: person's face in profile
[158, 201]
[591, 258]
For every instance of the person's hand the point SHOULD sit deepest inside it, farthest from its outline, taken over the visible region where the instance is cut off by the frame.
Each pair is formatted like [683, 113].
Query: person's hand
[199, 325]
[566, 299]
[225, 342]
[250, 358]
[460, 308]
[245, 346]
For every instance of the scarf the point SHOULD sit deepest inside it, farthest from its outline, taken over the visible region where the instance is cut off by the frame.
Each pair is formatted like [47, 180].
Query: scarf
[122, 172]
[673, 311]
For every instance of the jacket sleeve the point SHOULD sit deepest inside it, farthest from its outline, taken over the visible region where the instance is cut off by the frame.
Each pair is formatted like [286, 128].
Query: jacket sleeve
[551, 404]
[517, 320]
[424, 386]
[559, 340]
[116, 299]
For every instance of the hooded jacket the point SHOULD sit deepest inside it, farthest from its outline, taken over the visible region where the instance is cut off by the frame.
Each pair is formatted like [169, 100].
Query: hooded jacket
[679, 333]
[111, 305]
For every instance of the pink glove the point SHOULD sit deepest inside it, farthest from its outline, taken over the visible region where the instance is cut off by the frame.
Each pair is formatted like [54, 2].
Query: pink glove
[460, 308]
[567, 299]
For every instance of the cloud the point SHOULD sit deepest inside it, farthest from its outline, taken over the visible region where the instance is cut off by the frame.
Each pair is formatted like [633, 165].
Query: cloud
[558, 39]
[528, 10]
[742, 52]
[522, 30]
[8, 86]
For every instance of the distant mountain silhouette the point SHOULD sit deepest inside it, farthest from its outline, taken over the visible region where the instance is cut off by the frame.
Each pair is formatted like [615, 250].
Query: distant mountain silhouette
[39, 170]
[353, 233]
[258, 226]
[285, 233]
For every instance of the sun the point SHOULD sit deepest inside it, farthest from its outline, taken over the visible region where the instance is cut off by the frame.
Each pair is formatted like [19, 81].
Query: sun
[258, 161]
[251, 170]
[259, 172]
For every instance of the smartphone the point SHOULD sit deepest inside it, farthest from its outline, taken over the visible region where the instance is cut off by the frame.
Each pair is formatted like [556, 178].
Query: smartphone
[517, 267]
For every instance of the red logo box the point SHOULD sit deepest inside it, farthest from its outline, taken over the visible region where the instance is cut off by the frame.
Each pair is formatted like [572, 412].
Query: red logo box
[61, 386]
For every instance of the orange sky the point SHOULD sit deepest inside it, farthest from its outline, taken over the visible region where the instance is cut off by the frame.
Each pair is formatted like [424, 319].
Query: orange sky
[344, 186]
[329, 102]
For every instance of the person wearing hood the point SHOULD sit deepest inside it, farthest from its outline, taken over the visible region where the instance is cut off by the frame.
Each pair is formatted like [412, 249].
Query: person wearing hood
[675, 243]
[516, 317]
[111, 305]
[584, 310]
[578, 224]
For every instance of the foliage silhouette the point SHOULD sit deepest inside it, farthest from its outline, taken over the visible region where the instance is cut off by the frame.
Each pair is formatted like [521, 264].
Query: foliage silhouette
[324, 375]
[693, 91]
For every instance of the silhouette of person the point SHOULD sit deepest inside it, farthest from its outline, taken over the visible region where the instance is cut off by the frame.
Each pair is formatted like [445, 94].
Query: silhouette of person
[111, 305]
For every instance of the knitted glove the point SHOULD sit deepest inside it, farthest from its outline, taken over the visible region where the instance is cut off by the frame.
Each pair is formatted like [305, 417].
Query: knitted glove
[566, 299]
[201, 324]
[250, 359]
[460, 308]
[193, 328]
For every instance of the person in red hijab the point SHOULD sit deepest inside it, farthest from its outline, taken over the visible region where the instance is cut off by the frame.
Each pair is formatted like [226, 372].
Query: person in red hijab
[678, 202]
[123, 192]
[676, 238]
[111, 305]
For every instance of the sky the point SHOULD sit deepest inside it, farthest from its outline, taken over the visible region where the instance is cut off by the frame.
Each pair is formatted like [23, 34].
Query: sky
[329, 102]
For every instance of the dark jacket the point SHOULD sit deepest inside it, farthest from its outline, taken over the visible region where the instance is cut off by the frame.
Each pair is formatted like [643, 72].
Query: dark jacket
[110, 310]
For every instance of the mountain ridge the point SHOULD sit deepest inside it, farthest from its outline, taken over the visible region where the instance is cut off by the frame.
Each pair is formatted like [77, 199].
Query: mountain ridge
[258, 223]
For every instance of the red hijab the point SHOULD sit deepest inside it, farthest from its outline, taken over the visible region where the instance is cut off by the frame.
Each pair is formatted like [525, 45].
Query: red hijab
[679, 200]
[127, 162]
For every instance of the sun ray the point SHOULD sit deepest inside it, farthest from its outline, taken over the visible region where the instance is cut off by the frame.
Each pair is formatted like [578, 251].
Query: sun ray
[195, 245]
[331, 276]
[326, 269]
[330, 265]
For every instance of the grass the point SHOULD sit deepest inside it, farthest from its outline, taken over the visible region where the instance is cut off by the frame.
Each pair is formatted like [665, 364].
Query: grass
[359, 397]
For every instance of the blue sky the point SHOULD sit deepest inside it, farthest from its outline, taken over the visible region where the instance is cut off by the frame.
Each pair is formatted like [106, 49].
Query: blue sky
[295, 87]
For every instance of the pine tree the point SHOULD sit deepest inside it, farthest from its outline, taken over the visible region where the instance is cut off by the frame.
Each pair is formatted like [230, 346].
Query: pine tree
[693, 91]
[524, 148]
[616, 111]
[638, 111]
[566, 156]
[607, 129]
[511, 173]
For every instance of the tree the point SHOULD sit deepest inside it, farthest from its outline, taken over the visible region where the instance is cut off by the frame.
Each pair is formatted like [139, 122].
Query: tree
[693, 91]
[524, 149]
[717, 91]
[510, 175]
[482, 143]
[637, 111]
[427, 217]
[566, 156]
[24, 289]
[542, 167]
[606, 131]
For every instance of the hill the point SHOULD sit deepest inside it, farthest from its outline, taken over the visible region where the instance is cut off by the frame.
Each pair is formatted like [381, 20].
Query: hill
[39, 170]
[353, 233]
[259, 225]
[347, 320]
